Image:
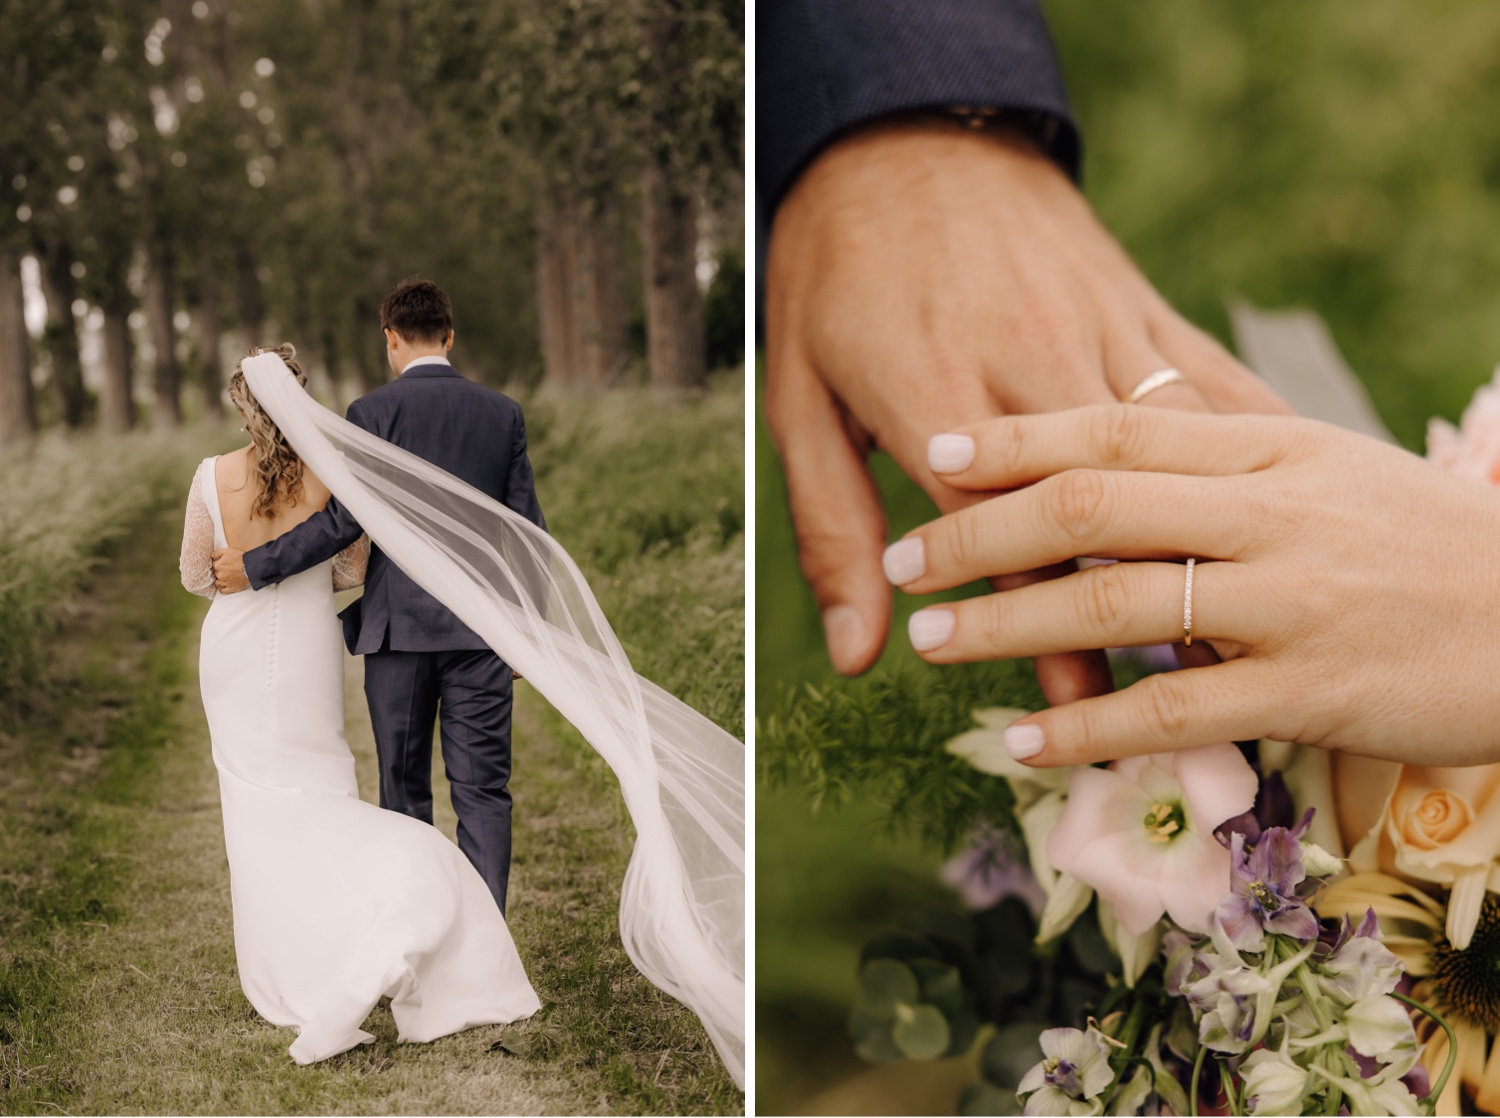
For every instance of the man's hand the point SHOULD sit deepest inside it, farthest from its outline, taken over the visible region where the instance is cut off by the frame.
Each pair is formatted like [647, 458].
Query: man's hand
[921, 278]
[229, 570]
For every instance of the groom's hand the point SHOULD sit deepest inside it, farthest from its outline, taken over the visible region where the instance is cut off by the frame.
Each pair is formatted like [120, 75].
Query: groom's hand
[229, 571]
[922, 277]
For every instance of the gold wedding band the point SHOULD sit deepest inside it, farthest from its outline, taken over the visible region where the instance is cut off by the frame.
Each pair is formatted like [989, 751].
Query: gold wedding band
[1187, 606]
[1153, 382]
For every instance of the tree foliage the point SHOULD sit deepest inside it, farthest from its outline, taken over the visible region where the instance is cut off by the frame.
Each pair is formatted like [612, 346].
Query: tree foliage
[207, 175]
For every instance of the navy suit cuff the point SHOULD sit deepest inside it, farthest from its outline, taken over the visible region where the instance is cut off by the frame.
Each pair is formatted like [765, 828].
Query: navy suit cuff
[829, 66]
[258, 568]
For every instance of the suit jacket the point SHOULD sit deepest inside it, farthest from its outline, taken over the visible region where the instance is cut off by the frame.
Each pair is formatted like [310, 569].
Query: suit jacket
[471, 431]
[825, 66]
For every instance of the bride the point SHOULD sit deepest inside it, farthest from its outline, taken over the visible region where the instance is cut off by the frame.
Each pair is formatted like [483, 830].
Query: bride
[337, 902]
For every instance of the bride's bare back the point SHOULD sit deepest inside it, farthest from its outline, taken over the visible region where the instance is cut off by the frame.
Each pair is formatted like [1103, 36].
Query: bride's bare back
[237, 494]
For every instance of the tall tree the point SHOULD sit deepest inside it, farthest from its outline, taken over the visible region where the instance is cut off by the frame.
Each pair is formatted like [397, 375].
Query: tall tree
[59, 280]
[694, 127]
[17, 397]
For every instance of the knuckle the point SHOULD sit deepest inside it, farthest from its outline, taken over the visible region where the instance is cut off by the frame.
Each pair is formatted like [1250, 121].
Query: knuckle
[989, 622]
[1119, 435]
[961, 543]
[1076, 502]
[1006, 447]
[1165, 707]
[1106, 599]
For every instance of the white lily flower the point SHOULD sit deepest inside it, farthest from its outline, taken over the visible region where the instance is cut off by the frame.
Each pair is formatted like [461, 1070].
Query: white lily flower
[1040, 795]
[1136, 952]
[1066, 902]
[984, 748]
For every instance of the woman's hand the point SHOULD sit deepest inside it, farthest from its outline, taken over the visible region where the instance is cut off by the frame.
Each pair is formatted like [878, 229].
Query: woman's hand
[1354, 592]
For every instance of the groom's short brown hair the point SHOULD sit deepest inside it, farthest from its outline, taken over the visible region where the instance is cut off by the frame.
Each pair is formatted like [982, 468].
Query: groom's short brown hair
[418, 310]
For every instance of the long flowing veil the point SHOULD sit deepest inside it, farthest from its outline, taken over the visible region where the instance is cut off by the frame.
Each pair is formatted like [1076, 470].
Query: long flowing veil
[682, 907]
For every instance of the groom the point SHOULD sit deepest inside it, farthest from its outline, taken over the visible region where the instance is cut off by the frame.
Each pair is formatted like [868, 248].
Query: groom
[421, 663]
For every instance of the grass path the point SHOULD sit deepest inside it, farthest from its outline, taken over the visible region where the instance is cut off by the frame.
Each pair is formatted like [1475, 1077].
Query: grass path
[118, 990]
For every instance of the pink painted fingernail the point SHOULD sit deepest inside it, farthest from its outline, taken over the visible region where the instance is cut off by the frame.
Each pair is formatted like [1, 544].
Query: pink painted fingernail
[947, 454]
[905, 561]
[930, 628]
[845, 631]
[1023, 740]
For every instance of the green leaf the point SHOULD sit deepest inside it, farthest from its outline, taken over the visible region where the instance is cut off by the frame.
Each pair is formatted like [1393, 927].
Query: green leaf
[1090, 947]
[1182, 1037]
[886, 736]
[886, 985]
[898, 945]
[941, 985]
[1010, 1054]
[863, 1023]
[878, 1048]
[943, 924]
[535, 1043]
[964, 1027]
[984, 1098]
[921, 1032]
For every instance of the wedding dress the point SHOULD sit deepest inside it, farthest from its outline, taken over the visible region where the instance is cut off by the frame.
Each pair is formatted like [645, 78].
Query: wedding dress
[682, 903]
[337, 902]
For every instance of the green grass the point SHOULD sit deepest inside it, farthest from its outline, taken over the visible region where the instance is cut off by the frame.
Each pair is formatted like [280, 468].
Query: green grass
[650, 502]
[63, 501]
[118, 989]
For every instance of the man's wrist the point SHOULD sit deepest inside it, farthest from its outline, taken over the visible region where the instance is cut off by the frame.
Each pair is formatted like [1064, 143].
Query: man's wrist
[256, 577]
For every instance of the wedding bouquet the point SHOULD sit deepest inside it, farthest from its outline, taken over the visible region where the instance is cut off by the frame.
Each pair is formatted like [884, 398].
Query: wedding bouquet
[1241, 928]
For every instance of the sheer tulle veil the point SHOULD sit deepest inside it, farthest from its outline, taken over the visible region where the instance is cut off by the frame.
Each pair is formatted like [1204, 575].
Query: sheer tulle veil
[682, 907]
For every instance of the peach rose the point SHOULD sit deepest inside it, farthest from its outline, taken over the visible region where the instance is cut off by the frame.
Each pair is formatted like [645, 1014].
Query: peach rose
[1430, 819]
[1433, 825]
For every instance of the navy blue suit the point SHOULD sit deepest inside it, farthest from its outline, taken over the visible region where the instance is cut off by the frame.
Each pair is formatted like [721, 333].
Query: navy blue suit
[826, 66]
[421, 662]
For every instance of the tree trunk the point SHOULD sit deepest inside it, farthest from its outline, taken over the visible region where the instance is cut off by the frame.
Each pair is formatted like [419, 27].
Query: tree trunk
[119, 376]
[675, 345]
[369, 344]
[17, 397]
[252, 308]
[167, 382]
[602, 296]
[210, 337]
[59, 288]
[333, 361]
[554, 295]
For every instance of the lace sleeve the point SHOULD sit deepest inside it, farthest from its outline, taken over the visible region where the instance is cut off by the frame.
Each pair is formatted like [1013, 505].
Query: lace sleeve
[197, 543]
[349, 564]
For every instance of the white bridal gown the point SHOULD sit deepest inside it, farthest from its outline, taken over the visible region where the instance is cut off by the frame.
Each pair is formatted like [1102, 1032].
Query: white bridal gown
[337, 902]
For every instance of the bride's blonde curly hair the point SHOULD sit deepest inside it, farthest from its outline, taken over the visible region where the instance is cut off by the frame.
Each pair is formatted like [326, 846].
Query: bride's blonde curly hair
[274, 464]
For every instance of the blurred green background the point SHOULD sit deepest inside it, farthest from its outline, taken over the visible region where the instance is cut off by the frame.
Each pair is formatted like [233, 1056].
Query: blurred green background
[1340, 157]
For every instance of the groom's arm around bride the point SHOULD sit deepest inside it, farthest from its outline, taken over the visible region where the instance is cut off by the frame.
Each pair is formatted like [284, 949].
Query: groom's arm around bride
[422, 663]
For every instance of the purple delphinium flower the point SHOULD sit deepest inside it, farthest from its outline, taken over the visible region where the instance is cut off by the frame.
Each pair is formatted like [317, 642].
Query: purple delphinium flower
[1264, 891]
[1333, 934]
[986, 872]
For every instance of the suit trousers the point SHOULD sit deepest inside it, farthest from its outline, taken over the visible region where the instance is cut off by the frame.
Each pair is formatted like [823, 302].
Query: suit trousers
[469, 693]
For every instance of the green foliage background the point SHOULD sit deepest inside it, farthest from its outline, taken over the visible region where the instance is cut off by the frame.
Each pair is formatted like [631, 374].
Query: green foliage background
[1341, 157]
